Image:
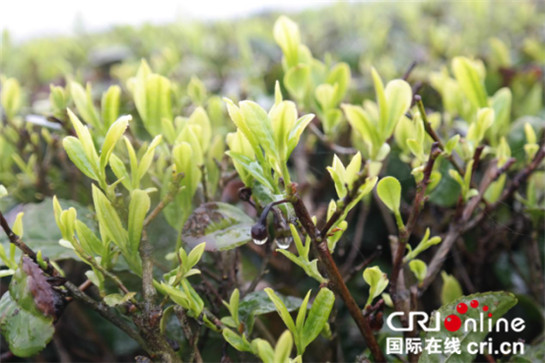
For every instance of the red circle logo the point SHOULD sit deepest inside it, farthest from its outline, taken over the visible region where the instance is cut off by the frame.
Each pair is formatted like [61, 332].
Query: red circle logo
[461, 308]
[452, 322]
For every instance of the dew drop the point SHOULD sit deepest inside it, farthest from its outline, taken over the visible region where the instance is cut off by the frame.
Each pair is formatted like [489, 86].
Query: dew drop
[259, 242]
[284, 242]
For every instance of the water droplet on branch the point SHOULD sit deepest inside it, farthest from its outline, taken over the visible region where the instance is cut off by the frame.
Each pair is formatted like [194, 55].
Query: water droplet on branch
[283, 242]
[260, 242]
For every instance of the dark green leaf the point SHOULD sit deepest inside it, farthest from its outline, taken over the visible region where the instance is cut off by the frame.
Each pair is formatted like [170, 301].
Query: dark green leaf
[258, 303]
[41, 231]
[222, 226]
[25, 332]
[498, 303]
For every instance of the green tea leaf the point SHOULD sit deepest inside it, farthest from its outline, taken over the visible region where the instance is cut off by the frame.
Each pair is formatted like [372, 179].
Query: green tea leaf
[283, 347]
[138, 208]
[112, 136]
[109, 222]
[419, 268]
[84, 104]
[297, 81]
[260, 125]
[470, 81]
[264, 350]
[389, 192]
[110, 105]
[239, 343]
[317, 316]
[398, 95]
[297, 130]
[451, 288]
[152, 97]
[377, 281]
[75, 152]
[281, 309]
[251, 167]
[339, 75]
[286, 35]
[11, 97]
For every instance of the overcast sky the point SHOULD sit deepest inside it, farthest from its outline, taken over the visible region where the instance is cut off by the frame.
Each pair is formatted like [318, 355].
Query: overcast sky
[27, 19]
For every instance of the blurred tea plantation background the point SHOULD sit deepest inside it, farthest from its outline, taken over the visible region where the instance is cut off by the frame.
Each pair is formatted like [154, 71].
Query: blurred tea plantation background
[239, 59]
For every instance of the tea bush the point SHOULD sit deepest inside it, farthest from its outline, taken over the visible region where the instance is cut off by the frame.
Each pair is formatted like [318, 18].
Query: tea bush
[193, 183]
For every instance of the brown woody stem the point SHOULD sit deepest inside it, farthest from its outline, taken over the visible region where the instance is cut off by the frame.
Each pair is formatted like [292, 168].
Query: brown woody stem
[336, 280]
[466, 223]
[405, 233]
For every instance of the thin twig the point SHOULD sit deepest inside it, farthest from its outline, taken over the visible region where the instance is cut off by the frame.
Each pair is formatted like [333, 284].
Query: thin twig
[16, 240]
[191, 337]
[338, 149]
[358, 239]
[336, 280]
[203, 182]
[106, 312]
[467, 222]
[430, 131]
[409, 70]
[173, 189]
[262, 271]
[405, 233]
[349, 197]
[364, 264]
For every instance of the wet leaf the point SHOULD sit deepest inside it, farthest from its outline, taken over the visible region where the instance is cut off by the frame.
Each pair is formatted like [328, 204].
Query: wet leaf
[498, 304]
[32, 292]
[258, 303]
[25, 332]
[41, 231]
[221, 225]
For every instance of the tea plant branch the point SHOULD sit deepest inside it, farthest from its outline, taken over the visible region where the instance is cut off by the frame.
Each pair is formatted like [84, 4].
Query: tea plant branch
[173, 189]
[521, 177]
[148, 322]
[409, 70]
[73, 290]
[203, 182]
[330, 144]
[348, 198]
[190, 335]
[430, 131]
[154, 344]
[336, 280]
[376, 253]
[18, 242]
[466, 222]
[148, 291]
[406, 231]
[263, 270]
[358, 239]
[106, 312]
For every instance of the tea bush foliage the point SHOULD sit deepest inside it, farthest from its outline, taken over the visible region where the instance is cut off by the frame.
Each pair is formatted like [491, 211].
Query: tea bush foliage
[193, 183]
